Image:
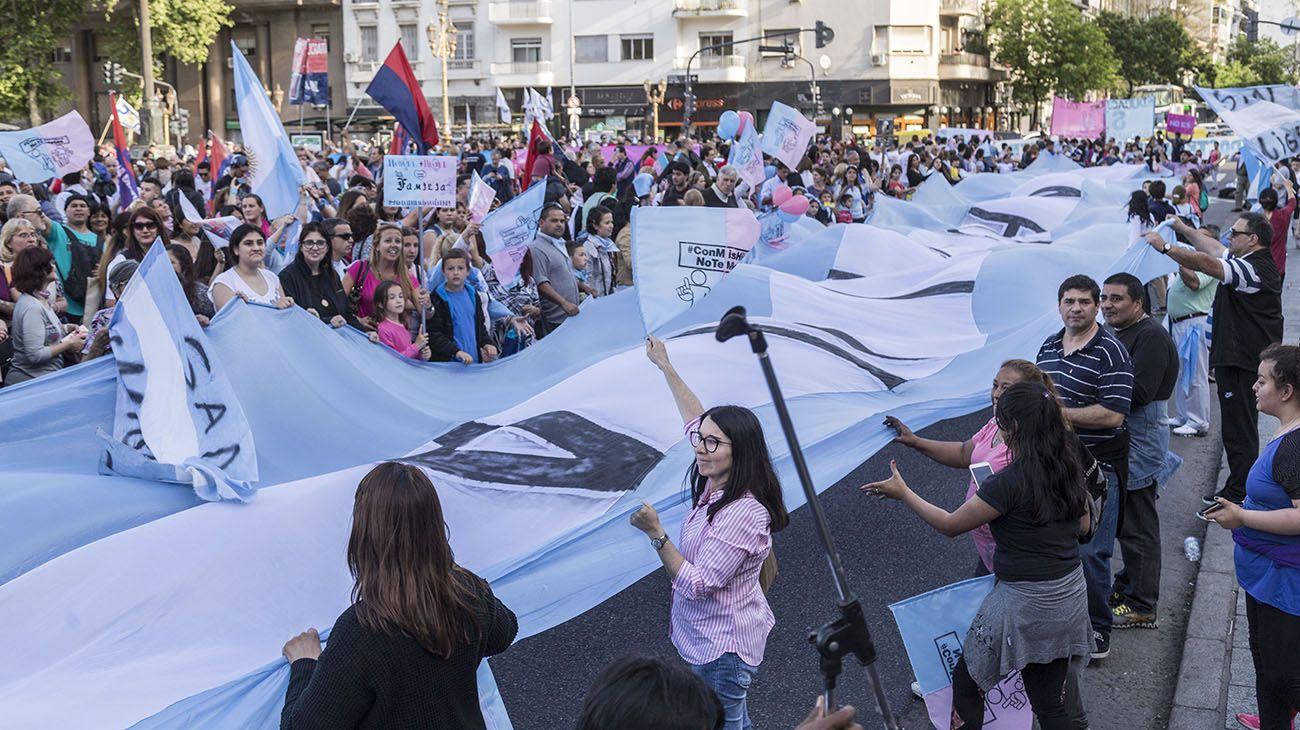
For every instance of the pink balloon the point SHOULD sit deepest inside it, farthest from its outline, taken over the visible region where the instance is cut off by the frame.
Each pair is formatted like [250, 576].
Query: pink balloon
[746, 121]
[796, 205]
[781, 194]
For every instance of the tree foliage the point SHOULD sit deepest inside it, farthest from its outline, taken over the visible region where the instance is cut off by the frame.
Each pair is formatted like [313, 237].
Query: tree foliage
[29, 85]
[1049, 47]
[1252, 63]
[1154, 50]
[181, 29]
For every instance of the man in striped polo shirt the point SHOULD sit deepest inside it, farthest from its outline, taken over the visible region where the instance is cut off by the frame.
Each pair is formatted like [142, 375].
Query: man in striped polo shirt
[1094, 377]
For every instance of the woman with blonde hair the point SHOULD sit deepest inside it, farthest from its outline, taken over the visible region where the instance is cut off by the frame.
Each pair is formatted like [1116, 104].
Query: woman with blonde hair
[387, 262]
[18, 234]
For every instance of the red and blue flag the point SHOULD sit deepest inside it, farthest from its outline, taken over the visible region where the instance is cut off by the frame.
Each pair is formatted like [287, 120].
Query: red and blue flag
[397, 90]
[127, 188]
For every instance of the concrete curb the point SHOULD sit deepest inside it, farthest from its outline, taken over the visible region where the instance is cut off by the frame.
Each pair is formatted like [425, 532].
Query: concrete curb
[1201, 693]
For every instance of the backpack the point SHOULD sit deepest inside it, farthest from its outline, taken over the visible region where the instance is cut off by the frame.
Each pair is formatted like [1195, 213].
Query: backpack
[84, 259]
[1205, 199]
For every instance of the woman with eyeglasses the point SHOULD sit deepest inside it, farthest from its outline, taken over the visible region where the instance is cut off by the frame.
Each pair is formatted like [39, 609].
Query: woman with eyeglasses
[312, 282]
[248, 279]
[720, 618]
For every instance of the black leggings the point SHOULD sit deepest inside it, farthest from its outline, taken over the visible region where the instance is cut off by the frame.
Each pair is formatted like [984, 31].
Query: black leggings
[1274, 636]
[1044, 683]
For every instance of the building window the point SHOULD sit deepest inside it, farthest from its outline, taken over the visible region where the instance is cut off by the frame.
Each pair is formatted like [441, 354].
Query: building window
[321, 32]
[638, 47]
[410, 35]
[591, 48]
[911, 40]
[526, 50]
[369, 44]
[61, 55]
[464, 40]
[716, 39]
[247, 45]
[780, 37]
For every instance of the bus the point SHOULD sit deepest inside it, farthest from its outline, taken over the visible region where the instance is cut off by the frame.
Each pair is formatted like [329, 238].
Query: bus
[1170, 99]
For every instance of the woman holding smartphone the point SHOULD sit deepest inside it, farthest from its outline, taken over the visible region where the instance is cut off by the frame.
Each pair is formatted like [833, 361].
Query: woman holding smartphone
[1266, 528]
[986, 446]
[1035, 620]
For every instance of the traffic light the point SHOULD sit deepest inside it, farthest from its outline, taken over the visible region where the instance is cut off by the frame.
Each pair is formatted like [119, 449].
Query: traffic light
[112, 74]
[824, 34]
[690, 105]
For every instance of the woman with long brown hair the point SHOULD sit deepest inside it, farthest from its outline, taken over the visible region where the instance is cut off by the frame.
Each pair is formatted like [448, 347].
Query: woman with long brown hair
[406, 652]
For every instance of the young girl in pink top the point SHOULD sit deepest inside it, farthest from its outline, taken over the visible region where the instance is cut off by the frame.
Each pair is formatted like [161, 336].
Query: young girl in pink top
[390, 304]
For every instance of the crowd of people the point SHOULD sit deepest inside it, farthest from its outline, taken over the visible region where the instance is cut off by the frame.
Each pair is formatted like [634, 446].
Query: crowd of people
[1078, 443]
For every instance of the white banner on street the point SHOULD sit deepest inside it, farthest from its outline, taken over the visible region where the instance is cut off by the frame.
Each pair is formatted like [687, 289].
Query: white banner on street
[680, 253]
[420, 181]
[1129, 118]
[787, 134]
[1266, 117]
[53, 149]
[747, 157]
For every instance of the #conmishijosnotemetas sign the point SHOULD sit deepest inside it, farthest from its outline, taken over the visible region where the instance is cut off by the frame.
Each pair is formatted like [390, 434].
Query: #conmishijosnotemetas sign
[420, 181]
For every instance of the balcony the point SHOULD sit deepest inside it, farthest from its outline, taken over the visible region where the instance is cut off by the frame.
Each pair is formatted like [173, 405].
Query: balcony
[964, 67]
[728, 69]
[959, 7]
[535, 73]
[687, 9]
[464, 68]
[518, 12]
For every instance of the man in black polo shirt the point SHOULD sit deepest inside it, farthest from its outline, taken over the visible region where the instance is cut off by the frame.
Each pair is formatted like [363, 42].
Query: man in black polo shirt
[722, 193]
[1155, 371]
[1247, 318]
[1094, 377]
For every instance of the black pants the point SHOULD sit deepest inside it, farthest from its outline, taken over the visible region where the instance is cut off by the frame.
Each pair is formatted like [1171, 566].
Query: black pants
[1046, 685]
[1239, 422]
[542, 328]
[1274, 636]
[1139, 543]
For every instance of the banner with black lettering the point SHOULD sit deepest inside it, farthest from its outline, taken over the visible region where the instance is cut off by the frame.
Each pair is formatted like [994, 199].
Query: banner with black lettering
[1266, 117]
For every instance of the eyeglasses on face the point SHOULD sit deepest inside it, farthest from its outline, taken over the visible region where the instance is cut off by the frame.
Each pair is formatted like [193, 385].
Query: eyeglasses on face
[1233, 233]
[313, 243]
[711, 443]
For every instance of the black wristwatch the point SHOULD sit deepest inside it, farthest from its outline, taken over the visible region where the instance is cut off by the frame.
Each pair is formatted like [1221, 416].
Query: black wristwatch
[1168, 247]
[659, 542]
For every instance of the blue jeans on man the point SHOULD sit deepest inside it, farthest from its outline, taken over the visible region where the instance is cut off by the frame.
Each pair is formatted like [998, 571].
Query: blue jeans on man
[1096, 558]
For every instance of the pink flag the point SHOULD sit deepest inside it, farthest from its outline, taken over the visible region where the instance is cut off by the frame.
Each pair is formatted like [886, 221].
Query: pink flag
[1078, 119]
[1180, 124]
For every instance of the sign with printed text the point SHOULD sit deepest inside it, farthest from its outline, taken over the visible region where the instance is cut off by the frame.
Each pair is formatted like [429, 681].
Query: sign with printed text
[309, 82]
[1129, 118]
[420, 181]
[53, 149]
[1180, 124]
[747, 157]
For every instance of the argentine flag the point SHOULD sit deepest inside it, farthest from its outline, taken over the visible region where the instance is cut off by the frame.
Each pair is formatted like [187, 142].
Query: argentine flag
[274, 168]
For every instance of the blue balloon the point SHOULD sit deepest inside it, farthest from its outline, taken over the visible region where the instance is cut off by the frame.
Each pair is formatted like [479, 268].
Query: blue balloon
[787, 217]
[728, 124]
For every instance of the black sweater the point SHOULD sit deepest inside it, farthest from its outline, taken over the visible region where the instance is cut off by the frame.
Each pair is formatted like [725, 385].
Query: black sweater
[323, 293]
[441, 331]
[369, 680]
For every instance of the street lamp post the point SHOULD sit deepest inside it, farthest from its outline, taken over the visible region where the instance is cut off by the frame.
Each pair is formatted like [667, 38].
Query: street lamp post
[150, 113]
[654, 96]
[442, 42]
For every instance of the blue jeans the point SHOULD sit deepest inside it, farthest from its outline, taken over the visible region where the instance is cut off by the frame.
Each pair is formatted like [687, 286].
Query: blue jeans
[729, 676]
[1096, 558]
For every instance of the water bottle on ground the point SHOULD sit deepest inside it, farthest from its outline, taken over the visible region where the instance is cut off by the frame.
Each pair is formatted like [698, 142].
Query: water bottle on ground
[1192, 548]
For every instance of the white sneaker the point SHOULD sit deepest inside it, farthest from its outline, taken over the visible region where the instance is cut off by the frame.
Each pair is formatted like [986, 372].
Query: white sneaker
[1188, 431]
[916, 690]
[1173, 422]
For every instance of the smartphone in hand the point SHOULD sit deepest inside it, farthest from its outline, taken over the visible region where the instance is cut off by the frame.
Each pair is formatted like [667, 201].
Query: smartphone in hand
[980, 472]
[1205, 513]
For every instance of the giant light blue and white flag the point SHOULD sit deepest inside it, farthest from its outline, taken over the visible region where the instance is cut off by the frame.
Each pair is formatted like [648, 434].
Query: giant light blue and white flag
[177, 418]
[934, 627]
[1129, 118]
[509, 229]
[53, 149]
[786, 134]
[1266, 117]
[679, 254]
[273, 166]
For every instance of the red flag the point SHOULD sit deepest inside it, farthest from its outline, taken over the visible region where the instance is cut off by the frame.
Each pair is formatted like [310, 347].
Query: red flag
[203, 155]
[535, 135]
[216, 162]
[401, 141]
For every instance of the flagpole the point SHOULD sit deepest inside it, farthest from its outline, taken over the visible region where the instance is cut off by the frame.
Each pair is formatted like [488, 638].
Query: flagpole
[104, 134]
[302, 108]
[355, 107]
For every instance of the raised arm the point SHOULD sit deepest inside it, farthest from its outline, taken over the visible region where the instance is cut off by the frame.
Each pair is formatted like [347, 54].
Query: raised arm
[687, 403]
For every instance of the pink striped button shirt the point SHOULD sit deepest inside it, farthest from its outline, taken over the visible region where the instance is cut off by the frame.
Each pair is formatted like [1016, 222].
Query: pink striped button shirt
[718, 606]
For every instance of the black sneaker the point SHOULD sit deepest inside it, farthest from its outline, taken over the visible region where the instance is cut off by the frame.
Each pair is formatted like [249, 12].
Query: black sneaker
[1116, 598]
[1101, 643]
[1124, 617]
[1210, 500]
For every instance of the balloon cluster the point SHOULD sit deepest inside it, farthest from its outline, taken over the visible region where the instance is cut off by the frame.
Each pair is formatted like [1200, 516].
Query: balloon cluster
[789, 206]
[732, 124]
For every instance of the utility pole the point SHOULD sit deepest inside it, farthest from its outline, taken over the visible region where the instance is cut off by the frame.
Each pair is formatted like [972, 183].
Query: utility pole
[442, 42]
[149, 117]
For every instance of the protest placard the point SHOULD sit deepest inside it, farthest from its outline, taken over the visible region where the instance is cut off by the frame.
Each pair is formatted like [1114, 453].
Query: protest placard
[420, 181]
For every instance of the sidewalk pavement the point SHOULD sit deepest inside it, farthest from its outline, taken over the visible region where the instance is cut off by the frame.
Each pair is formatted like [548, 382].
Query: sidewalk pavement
[1216, 679]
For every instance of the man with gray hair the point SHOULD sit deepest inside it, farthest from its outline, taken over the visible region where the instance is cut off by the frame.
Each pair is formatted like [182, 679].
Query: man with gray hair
[722, 193]
[26, 206]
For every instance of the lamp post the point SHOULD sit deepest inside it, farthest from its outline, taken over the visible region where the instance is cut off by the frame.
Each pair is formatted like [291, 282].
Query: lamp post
[150, 114]
[654, 96]
[848, 118]
[442, 43]
[839, 127]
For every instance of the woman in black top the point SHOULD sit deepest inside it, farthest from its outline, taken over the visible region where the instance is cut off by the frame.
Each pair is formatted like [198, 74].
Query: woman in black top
[406, 653]
[1035, 620]
[311, 281]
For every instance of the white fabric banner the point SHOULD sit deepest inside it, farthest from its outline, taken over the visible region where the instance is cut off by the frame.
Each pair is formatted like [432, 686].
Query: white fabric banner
[787, 134]
[1129, 118]
[1266, 117]
[53, 149]
[680, 253]
[747, 157]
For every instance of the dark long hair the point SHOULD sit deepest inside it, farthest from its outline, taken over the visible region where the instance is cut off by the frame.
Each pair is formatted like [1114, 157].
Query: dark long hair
[1045, 450]
[406, 578]
[327, 263]
[1139, 207]
[751, 466]
[132, 248]
[189, 274]
[242, 231]
[649, 693]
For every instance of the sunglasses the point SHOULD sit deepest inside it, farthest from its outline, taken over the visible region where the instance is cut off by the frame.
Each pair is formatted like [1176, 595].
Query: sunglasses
[144, 226]
[344, 236]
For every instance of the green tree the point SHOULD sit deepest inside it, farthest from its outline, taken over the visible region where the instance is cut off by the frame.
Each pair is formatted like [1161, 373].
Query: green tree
[1233, 74]
[1049, 48]
[1267, 62]
[181, 29]
[29, 85]
[1154, 50]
